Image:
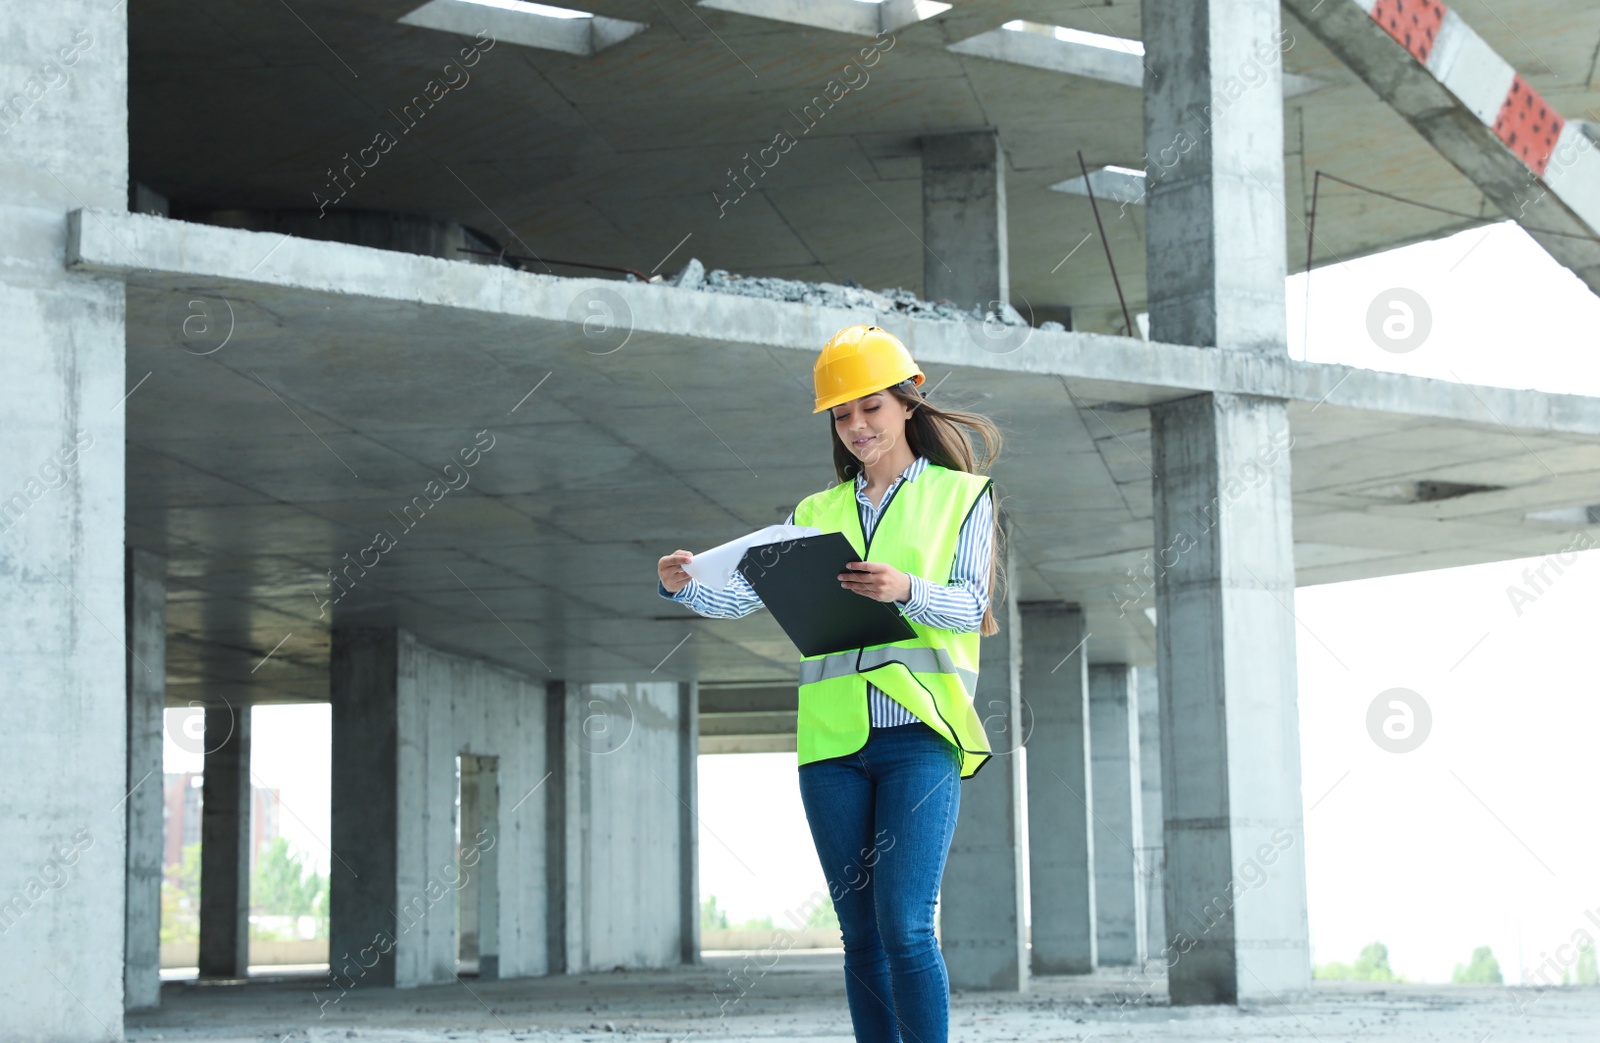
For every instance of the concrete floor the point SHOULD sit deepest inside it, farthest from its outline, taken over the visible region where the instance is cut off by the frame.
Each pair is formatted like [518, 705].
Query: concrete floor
[802, 997]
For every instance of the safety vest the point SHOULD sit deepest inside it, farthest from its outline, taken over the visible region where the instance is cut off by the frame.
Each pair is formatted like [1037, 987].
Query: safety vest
[935, 673]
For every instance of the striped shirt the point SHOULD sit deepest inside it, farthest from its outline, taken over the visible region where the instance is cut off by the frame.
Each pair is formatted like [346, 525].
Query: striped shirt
[956, 605]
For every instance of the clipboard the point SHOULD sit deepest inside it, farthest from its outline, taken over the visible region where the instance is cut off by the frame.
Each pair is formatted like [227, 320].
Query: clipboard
[797, 582]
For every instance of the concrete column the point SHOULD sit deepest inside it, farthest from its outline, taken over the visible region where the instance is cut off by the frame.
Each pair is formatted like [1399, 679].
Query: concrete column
[394, 883]
[964, 220]
[1214, 245]
[576, 822]
[1230, 743]
[478, 917]
[1151, 854]
[688, 820]
[1055, 689]
[1225, 645]
[620, 786]
[147, 647]
[558, 823]
[489, 879]
[624, 825]
[402, 715]
[365, 807]
[1118, 826]
[63, 145]
[981, 905]
[468, 918]
[225, 844]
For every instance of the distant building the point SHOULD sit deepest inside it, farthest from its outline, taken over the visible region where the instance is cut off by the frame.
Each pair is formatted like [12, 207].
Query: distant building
[183, 799]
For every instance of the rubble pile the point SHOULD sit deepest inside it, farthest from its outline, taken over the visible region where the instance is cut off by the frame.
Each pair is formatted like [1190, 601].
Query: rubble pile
[841, 295]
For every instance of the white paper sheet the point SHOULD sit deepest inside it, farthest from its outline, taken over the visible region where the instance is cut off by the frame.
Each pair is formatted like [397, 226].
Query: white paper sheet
[715, 567]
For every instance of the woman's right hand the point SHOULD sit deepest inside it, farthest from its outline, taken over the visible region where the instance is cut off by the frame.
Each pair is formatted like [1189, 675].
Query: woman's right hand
[670, 569]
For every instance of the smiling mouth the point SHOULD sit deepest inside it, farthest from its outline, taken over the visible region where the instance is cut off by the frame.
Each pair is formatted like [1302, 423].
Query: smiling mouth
[861, 443]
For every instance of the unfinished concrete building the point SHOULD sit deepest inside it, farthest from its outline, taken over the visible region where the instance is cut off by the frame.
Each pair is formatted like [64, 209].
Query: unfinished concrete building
[337, 370]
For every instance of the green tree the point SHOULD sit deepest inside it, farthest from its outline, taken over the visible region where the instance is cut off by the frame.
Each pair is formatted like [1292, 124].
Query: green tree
[1371, 965]
[823, 917]
[283, 885]
[180, 899]
[712, 918]
[1484, 969]
[187, 876]
[1584, 972]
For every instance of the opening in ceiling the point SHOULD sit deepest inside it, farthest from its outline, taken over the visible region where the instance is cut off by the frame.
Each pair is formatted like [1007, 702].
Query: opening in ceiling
[1583, 515]
[1096, 56]
[525, 23]
[1428, 490]
[858, 17]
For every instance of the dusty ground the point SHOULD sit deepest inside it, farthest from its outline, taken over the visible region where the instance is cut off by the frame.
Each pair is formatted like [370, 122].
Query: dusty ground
[802, 998]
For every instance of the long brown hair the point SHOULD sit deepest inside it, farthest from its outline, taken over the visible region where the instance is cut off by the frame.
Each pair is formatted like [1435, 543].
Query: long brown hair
[942, 435]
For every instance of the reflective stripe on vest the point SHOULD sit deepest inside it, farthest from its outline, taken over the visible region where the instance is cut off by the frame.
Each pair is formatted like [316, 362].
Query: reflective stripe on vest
[917, 660]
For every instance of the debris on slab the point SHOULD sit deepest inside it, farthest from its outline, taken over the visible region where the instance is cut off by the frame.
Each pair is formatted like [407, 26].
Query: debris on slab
[842, 295]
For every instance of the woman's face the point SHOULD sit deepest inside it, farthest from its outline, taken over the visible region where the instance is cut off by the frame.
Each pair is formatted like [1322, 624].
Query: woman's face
[871, 425]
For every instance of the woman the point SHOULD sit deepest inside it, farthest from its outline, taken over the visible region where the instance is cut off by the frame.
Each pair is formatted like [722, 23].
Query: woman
[885, 733]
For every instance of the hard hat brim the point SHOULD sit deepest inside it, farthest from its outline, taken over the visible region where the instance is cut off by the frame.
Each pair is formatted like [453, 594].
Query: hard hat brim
[916, 378]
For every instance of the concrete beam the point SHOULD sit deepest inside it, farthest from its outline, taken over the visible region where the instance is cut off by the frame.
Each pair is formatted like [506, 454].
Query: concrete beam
[981, 918]
[728, 725]
[744, 719]
[147, 691]
[965, 257]
[1118, 824]
[1541, 170]
[225, 844]
[1061, 880]
[161, 253]
[769, 698]
[747, 744]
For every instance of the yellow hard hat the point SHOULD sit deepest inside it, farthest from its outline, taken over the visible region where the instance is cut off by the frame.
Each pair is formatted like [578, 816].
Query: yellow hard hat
[859, 360]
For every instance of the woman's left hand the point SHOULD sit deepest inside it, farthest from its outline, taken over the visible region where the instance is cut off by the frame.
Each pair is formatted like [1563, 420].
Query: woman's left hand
[876, 580]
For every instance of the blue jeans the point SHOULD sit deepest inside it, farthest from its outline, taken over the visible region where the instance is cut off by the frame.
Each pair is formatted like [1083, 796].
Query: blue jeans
[882, 819]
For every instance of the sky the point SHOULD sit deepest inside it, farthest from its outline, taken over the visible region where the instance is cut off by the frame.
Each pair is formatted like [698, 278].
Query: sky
[1484, 834]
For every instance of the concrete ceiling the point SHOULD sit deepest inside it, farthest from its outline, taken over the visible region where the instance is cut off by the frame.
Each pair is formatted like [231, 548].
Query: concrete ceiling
[614, 158]
[346, 378]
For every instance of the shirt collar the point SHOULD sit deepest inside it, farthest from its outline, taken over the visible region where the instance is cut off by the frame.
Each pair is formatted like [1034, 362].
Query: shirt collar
[913, 469]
